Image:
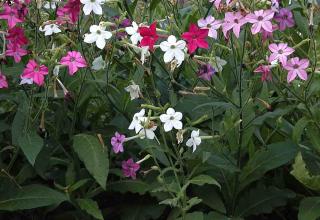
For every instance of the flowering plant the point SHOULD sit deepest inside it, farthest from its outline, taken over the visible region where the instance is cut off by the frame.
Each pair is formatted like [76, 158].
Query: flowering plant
[173, 109]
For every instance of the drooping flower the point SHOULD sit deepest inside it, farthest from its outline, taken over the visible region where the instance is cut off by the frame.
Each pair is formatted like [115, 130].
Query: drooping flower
[296, 67]
[194, 140]
[280, 52]
[35, 72]
[148, 130]
[16, 36]
[233, 21]
[275, 5]
[74, 61]
[265, 71]
[284, 18]
[217, 3]
[130, 168]
[206, 72]
[149, 35]
[92, 5]
[134, 90]
[268, 35]
[50, 29]
[211, 24]
[171, 119]
[117, 142]
[137, 120]
[11, 15]
[196, 38]
[135, 36]
[3, 81]
[99, 35]
[16, 52]
[51, 4]
[261, 20]
[218, 63]
[24, 80]
[173, 49]
[98, 63]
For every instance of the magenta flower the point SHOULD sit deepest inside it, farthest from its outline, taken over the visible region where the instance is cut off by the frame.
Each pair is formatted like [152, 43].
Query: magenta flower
[11, 15]
[74, 61]
[16, 36]
[261, 20]
[234, 21]
[196, 38]
[206, 72]
[16, 52]
[296, 67]
[149, 35]
[35, 72]
[284, 18]
[280, 52]
[117, 142]
[265, 71]
[70, 10]
[211, 24]
[3, 81]
[129, 168]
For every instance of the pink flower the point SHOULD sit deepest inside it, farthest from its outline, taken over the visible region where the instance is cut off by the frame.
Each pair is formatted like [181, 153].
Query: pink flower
[234, 21]
[16, 52]
[149, 35]
[129, 168]
[266, 72]
[3, 81]
[196, 38]
[206, 72]
[35, 72]
[261, 20]
[284, 18]
[296, 67]
[211, 24]
[280, 52]
[266, 35]
[74, 61]
[16, 36]
[11, 15]
[71, 10]
[117, 142]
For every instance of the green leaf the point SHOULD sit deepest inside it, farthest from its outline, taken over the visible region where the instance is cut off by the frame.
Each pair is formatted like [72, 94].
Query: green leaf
[262, 200]
[302, 174]
[265, 160]
[31, 145]
[309, 209]
[193, 216]
[298, 129]
[29, 197]
[134, 186]
[91, 207]
[204, 179]
[93, 155]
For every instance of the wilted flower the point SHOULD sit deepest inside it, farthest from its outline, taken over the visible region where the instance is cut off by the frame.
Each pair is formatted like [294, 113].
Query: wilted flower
[265, 71]
[98, 63]
[194, 140]
[134, 91]
[206, 72]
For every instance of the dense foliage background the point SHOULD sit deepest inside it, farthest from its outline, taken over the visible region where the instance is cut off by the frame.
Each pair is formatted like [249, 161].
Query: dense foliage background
[259, 156]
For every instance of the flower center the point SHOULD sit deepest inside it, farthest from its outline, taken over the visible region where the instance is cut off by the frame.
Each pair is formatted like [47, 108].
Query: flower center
[172, 47]
[171, 118]
[236, 21]
[280, 51]
[51, 25]
[260, 18]
[72, 59]
[93, 1]
[296, 66]
[209, 26]
[98, 32]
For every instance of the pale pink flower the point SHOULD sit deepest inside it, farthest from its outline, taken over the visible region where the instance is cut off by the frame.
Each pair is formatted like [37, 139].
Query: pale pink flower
[211, 24]
[35, 72]
[261, 20]
[74, 61]
[233, 21]
[280, 52]
[296, 67]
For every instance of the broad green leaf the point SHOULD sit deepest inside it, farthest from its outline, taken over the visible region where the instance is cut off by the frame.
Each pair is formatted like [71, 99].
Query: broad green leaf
[29, 197]
[262, 200]
[93, 155]
[134, 186]
[91, 207]
[313, 134]
[193, 216]
[301, 173]
[298, 129]
[204, 179]
[264, 160]
[31, 145]
[309, 209]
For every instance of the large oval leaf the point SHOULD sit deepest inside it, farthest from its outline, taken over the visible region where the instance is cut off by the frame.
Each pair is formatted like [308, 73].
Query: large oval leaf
[93, 155]
[309, 209]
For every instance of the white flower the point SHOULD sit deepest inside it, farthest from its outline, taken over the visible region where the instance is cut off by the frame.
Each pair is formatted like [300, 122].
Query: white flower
[99, 35]
[218, 63]
[194, 140]
[171, 120]
[28, 81]
[50, 29]
[56, 70]
[134, 91]
[173, 49]
[98, 63]
[92, 5]
[148, 132]
[50, 4]
[135, 36]
[137, 120]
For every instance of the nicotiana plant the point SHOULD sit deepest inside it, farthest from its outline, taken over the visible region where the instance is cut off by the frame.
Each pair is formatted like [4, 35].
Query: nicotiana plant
[160, 109]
